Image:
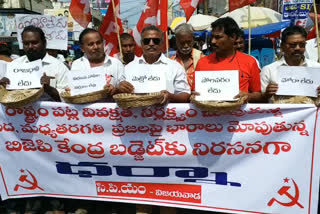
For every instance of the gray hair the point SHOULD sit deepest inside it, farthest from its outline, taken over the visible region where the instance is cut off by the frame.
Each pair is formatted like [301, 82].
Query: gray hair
[183, 28]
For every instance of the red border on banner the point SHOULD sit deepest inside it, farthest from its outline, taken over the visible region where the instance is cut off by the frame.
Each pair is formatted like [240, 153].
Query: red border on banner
[124, 199]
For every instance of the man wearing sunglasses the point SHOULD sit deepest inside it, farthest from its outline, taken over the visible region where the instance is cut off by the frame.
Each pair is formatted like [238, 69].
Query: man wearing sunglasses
[293, 42]
[178, 89]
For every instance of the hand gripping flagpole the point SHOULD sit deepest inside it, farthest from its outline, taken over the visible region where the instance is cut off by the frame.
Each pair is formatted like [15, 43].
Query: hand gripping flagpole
[117, 28]
[249, 26]
[317, 27]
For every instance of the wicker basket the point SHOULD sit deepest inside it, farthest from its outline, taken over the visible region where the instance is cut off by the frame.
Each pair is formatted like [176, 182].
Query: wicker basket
[19, 98]
[292, 100]
[85, 98]
[125, 100]
[216, 106]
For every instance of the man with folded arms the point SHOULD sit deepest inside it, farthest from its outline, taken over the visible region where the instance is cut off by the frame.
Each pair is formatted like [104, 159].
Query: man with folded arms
[225, 57]
[178, 90]
[54, 77]
[293, 42]
[92, 45]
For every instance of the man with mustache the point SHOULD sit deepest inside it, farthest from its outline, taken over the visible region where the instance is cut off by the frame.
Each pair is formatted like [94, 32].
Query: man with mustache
[92, 45]
[293, 42]
[178, 89]
[34, 45]
[186, 55]
[225, 57]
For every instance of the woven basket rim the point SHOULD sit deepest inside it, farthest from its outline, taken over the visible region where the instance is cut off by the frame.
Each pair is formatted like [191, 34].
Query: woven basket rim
[217, 106]
[283, 99]
[22, 102]
[85, 98]
[130, 100]
[129, 96]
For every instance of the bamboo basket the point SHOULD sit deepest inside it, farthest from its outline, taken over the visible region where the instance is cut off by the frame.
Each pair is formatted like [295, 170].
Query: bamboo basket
[277, 99]
[19, 98]
[126, 100]
[216, 106]
[85, 98]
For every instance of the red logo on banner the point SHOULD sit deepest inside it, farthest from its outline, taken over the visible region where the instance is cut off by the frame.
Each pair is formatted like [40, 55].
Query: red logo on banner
[24, 179]
[284, 191]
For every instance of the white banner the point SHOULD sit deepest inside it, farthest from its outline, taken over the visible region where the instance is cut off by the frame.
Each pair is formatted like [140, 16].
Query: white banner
[55, 29]
[261, 159]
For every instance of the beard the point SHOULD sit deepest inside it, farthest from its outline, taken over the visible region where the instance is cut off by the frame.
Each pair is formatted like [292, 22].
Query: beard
[35, 55]
[128, 57]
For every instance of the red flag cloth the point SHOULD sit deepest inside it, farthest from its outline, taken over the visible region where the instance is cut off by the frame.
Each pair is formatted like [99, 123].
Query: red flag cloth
[188, 7]
[154, 13]
[235, 4]
[108, 28]
[80, 12]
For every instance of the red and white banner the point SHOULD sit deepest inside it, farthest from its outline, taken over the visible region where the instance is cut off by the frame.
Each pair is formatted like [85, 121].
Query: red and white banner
[259, 159]
[80, 12]
[109, 28]
[154, 13]
[235, 4]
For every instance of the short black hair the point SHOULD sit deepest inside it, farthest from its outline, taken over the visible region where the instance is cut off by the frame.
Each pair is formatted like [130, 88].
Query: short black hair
[5, 50]
[292, 30]
[87, 31]
[35, 29]
[126, 36]
[229, 26]
[152, 27]
[240, 34]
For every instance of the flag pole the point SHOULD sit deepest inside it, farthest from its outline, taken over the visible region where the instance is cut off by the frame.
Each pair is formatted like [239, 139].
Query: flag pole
[317, 27]
[117, 28]
[167, 43]
[249, 26]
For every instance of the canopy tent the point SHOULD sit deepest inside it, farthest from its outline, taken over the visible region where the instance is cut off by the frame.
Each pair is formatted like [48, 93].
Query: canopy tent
[266, 29]
[201, 22]
[259, 16]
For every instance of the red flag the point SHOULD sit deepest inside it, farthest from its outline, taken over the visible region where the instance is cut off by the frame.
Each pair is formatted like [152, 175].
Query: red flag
[154, 13]
[80, 12]
[188, 7]
[163, 13]
[235, 4]
[108, 28]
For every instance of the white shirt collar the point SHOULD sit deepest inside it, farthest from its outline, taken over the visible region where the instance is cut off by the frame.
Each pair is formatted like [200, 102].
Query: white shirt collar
[162, 60]
[282, 61]
[45, 60]
[107, 61]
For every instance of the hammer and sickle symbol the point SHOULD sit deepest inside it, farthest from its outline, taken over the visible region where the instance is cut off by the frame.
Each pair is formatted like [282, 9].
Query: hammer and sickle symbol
[24, 178]
[284, 191]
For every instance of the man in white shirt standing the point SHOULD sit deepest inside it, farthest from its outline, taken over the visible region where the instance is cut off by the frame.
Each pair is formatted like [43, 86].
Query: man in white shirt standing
[312, 50]
[293, 43]
[178, 89]
[54, 77]
[92, 45]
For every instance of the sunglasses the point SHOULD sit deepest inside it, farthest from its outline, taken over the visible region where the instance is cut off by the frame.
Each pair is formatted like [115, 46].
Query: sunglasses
[156, 41]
